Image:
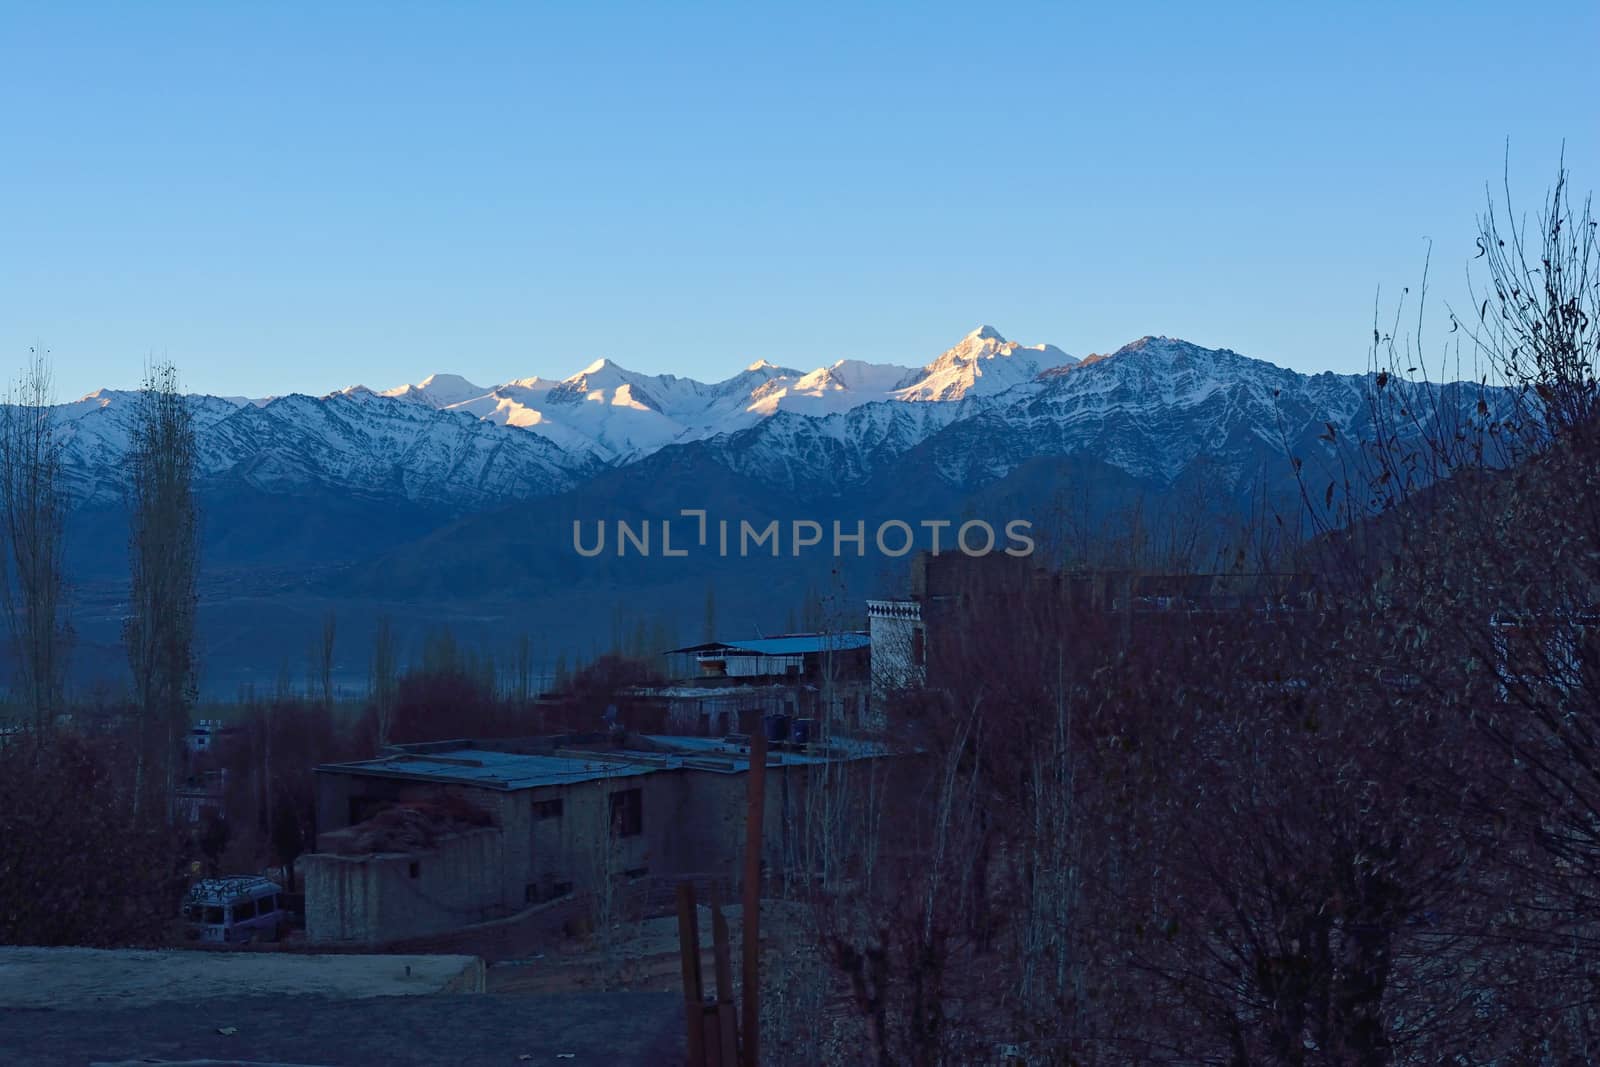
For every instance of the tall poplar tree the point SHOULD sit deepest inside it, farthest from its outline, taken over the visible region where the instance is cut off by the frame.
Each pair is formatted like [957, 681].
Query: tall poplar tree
[32, 520]
[164, 561]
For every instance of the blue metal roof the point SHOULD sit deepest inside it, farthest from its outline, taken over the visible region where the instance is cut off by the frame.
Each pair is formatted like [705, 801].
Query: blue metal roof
[495, 770]
[804, 643]
[489, 769]
[791, 645]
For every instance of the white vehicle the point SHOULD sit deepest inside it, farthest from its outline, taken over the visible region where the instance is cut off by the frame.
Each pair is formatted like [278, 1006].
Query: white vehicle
[235, 910]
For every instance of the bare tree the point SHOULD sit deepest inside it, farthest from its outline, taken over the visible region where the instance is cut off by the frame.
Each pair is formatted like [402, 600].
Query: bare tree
[164, 559]
[385, 678]
[325, 661]
[523, 686]
[1471, 519]
[33, 513]
[1050, 978]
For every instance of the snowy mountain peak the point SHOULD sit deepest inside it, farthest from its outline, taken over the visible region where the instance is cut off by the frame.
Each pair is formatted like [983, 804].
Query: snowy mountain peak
[982, 363]
[447, 382]
[437, 390]
[1168, 355]
[856, 374]
[1166, 347]
[760, 365]
[606, 374]
[840, 386]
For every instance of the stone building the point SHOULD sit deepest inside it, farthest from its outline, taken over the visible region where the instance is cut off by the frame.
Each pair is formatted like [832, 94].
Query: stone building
[815, 683]
[437, 836]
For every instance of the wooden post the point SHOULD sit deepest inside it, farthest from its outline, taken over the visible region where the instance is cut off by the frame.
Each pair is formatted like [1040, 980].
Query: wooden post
[693, 994]
[752, 898]
[721, 1019]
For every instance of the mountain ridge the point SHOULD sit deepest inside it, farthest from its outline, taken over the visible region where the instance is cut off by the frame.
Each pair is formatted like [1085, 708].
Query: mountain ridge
[1150, 407]
[455, 514]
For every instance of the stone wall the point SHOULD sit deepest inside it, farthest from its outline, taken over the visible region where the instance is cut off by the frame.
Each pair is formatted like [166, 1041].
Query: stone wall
[692, 822]
[574, 848]
[381, 897]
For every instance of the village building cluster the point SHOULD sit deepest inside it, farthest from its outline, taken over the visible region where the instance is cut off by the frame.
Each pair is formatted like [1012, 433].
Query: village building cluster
[427, 838]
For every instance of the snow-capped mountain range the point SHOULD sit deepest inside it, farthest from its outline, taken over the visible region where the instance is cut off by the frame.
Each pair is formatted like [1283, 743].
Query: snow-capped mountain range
[450, 503]
[448, 439]
[1151, 408]
[614, 415]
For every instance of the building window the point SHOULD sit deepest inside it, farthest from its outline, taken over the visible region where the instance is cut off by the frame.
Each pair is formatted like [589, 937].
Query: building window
[627, 813]
[919, 650]
[548, 809]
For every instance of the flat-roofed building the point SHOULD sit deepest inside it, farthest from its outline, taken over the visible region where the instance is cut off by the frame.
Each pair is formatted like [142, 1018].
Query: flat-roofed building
[818, 680]
[437, 836]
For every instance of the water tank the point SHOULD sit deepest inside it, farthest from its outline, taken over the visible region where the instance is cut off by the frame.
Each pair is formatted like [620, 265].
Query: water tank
[777, 727]
[800, 731]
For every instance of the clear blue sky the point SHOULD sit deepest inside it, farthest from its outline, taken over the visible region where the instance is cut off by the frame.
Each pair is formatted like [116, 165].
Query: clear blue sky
[298, 197]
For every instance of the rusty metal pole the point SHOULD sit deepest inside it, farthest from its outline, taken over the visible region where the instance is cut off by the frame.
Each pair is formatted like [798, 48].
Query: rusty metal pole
[752, 898]
[693, 991]
[722, 954]
[722, 1025]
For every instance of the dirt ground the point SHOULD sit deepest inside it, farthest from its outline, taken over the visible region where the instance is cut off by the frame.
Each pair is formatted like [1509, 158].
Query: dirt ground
[82, 1007]
[560, 1030]
[602, 1003]
[643, 955]
[95, 978]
